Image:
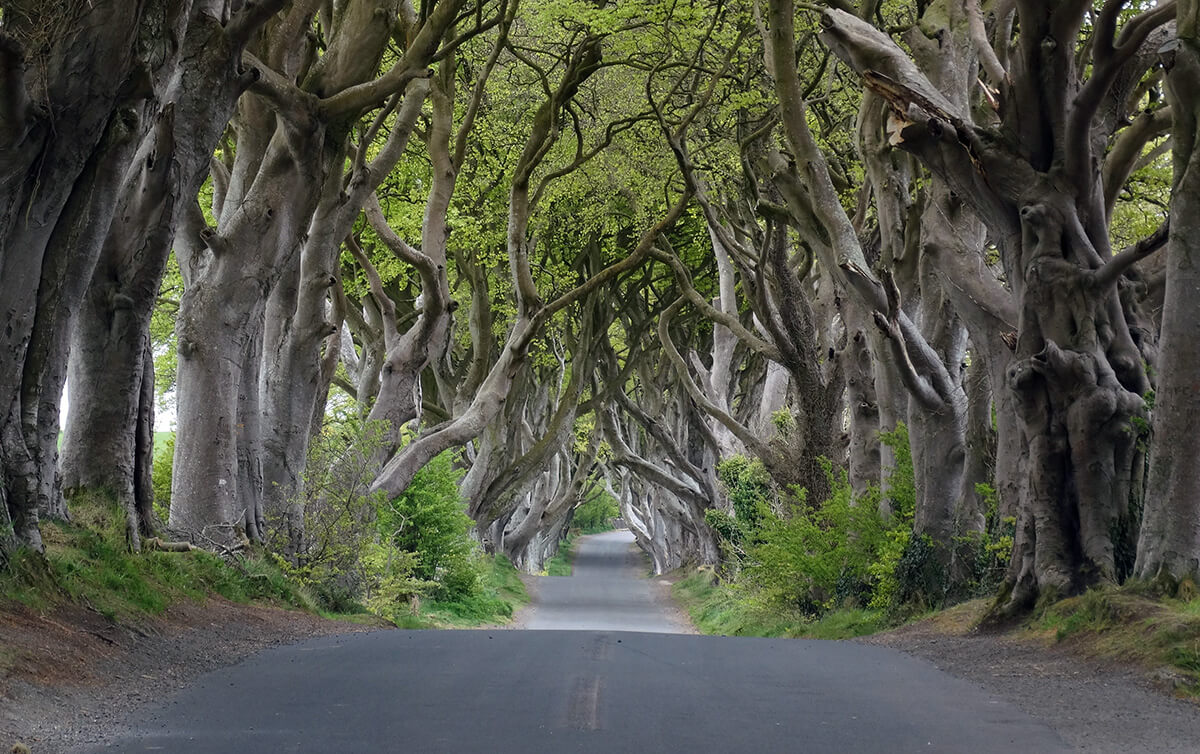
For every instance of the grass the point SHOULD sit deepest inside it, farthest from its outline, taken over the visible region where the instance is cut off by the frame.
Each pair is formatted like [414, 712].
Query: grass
[561, 563]
[87, 563]
[501, 592]
[725, 610]
[1130, 624]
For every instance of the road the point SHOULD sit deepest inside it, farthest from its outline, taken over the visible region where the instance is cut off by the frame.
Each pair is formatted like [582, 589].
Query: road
[605, 592]
[583, 691]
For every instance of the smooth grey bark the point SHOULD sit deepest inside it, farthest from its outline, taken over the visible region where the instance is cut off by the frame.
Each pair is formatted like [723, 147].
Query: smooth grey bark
[107, 364]
[68, 127]
[863, 451]
[556, 435]
[294, 376]
[220, 318]
[201, 81]
[1169, 543]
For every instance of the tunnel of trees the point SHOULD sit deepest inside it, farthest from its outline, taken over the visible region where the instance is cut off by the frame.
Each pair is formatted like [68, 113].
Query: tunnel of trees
[915, 266]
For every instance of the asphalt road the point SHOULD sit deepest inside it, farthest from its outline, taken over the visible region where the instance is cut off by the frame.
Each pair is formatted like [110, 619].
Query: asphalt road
[583, 691]
[605, 592]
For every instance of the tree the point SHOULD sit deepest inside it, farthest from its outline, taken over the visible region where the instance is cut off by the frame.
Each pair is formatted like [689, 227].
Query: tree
[1031, 169]
[279, 207]
[1169, 545]
[109, 431]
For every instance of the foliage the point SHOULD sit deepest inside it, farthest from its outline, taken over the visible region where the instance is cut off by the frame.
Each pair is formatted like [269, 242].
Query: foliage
[838, 553]
[729, 610]
[428, 521]
[817, 557]
[500, 590]
[331, 552]
[360, 550]
[160, 479]
[889, 591]
[596, 514]
[560, 564]
[987, 554]
[751, 495]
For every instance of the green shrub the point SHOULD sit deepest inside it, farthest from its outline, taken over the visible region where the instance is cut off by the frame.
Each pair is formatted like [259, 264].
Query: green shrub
[327, 554]
[160, 475]
[986, 554]
[836, 553]
[596, 515]
[750, 489]
[428, 520]
[818, 554]
[889, 591]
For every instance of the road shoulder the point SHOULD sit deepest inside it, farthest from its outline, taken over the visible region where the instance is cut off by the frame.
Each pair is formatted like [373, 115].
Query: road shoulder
[1095, 705]
[74, 674]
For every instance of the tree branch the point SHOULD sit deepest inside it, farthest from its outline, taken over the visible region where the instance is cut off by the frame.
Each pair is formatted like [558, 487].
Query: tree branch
[1112, 270]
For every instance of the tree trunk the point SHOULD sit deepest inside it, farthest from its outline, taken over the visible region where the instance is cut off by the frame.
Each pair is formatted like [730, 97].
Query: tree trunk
[1169, 544]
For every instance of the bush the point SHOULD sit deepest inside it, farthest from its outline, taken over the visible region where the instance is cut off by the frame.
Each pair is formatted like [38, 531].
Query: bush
[328, 554]
[888, 593]
[596, 515]
[812, 557]
[750, 489]
[986, 554]
[820, 555]
[160, 476]
[428, 521]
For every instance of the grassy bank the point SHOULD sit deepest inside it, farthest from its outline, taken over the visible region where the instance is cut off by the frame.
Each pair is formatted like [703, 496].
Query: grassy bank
[1130, 624]
[501, 593]
[561, 563]
[87, 563]
[725, 610]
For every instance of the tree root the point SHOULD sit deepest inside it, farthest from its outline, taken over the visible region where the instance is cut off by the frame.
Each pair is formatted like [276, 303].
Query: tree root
[154, 543]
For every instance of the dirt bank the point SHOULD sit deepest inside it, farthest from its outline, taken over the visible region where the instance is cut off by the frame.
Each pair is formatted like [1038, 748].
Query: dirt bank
[69, 675]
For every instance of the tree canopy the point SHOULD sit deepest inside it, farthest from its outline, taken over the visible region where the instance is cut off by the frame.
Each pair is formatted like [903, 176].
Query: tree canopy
[551, 250]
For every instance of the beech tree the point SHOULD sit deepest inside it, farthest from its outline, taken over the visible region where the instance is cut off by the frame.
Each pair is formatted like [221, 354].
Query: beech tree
[575, 246]
[1169, 545]
[86, 135]
[279, 207]
[1031, 170]
[109, 432]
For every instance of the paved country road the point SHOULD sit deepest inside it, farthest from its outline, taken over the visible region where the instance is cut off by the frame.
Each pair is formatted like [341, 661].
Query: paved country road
[605, 592]
[583, 691]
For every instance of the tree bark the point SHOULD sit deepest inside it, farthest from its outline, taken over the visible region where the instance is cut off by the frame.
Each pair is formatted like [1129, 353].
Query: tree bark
[1169, 543]
[67, 128]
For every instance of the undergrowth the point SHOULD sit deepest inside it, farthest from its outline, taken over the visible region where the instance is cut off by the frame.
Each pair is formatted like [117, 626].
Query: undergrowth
[87, 563]
[1134, 624]
[500, 592]
[729, 610]
[561, 563]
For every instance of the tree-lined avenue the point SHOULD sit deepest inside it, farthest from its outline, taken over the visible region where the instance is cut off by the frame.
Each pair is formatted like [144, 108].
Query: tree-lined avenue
[584, 691]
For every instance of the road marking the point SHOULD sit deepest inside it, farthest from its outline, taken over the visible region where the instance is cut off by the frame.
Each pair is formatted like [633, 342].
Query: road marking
[600, 648]
[583, 708]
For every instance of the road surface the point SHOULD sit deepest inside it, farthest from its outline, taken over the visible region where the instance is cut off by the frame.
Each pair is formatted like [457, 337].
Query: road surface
[606, 591]
[583, 691]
